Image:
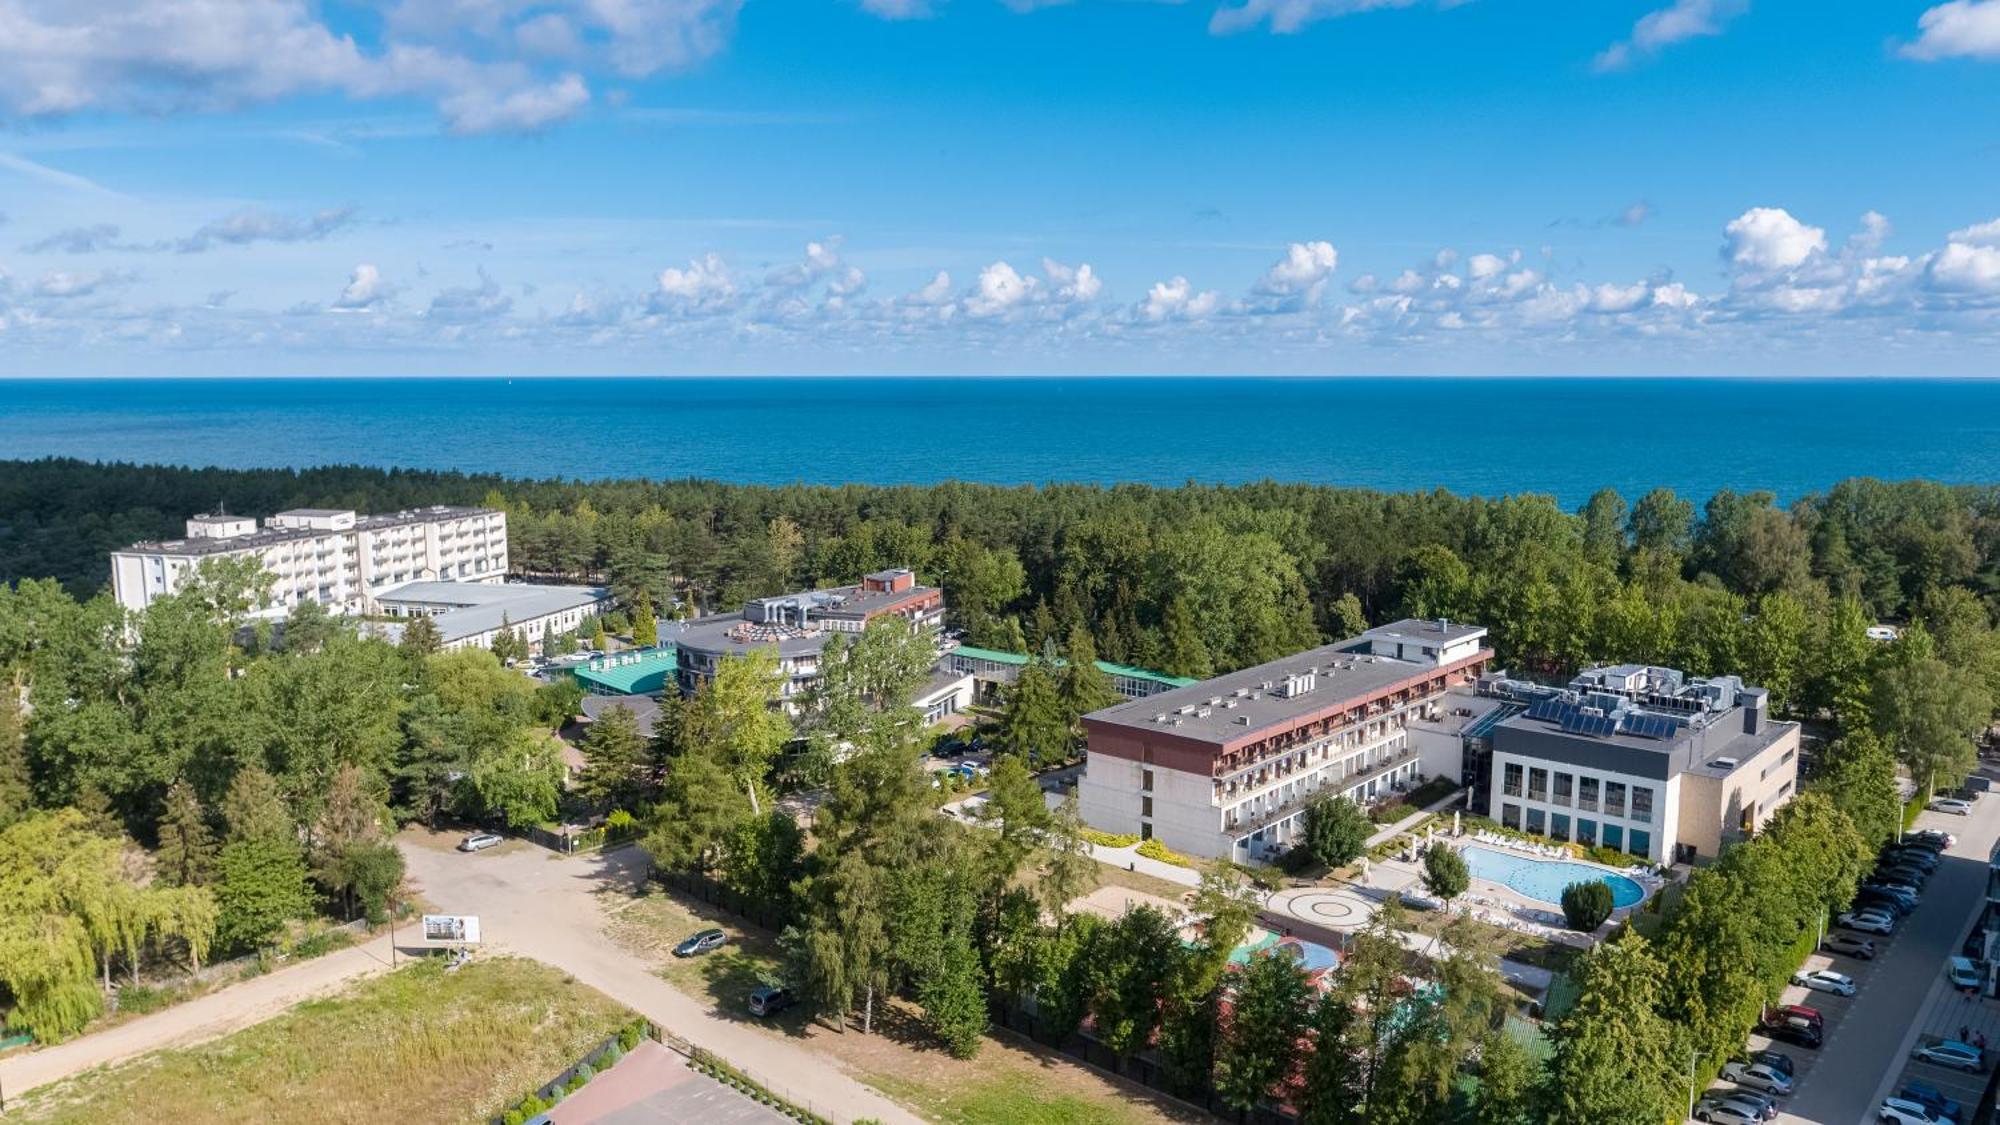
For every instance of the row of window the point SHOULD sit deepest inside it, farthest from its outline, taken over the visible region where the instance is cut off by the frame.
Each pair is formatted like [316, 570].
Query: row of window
[1585, 792]
[1590, 833]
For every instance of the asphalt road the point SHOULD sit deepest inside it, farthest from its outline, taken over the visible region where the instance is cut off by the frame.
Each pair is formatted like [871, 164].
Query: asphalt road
[1867, 1041]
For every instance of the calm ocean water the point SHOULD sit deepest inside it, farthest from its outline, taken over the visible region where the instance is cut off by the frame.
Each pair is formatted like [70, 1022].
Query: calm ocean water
[1488, 436]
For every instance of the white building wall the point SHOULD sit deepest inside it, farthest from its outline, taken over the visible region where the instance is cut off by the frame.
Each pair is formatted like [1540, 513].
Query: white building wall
[1107, 795]
[1662, 830]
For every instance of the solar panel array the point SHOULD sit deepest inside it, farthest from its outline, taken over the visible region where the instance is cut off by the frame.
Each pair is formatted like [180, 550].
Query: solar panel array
[1551, 710]
[1651, 726]
[1573, 719]
[1596, 726]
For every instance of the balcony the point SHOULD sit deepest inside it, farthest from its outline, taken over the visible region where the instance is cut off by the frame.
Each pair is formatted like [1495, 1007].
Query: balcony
[1246, 826]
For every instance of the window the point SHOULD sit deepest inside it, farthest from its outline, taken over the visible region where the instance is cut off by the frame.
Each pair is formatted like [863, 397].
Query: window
[1510, 816]
[1614, 798]
[1145, 806]
[1535, 822]
[1586, 794]
[1146, 831]
[1586, 832]
[1146, 780]
[1642, 805]
[1562, 793]
[1559, 825]
[1510, 783]
[1538, 785]
[1642, 843]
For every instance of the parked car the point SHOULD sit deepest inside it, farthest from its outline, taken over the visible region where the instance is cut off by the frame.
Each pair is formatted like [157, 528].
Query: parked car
[1725, 1112]
[1901, 892]
[1931, 836]
[1900, 1111]
[1796, 1032]
[1882, 902]
[1859, 948]
[1951, 805]
[1776, 1060]
[1963, 973]
[1758, 1076]
[769, 1000]
[1763, 1107]
[480, 841]
[1931, 1098]
[1868, 921]
[1801, 1012]
[1908, 874]
[1825, 980]
[1914, 857]
[707, 941]
[1952, 1053]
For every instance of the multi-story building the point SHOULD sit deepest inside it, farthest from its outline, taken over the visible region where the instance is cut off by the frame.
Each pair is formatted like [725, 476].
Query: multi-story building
[1224, 768]
[797, 626]
[329, 556]
[1645, 760]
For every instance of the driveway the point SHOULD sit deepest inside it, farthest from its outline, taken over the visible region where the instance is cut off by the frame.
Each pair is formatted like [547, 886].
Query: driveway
[1870, 1037]
[536, 904]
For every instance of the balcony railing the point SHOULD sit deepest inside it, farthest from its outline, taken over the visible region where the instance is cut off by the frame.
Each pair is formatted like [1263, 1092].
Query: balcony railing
[1246, 826]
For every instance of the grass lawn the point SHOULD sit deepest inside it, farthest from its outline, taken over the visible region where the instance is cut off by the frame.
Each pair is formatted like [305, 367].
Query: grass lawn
[1008, 1083]
[419, 1044]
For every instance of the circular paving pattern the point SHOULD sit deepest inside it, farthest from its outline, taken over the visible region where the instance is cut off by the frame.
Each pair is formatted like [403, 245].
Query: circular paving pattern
[1340, 910]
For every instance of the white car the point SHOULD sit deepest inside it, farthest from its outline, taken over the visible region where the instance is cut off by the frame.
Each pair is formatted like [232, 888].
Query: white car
[1901, 1111]
[1963, 973]
[1952, 1053]
[1951, 805]
[479, 842]
[1758, 1076]
[1825, 980]
[1868, 922]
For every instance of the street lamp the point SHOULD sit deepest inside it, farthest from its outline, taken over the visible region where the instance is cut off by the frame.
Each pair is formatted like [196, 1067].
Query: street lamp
[1693, 1055]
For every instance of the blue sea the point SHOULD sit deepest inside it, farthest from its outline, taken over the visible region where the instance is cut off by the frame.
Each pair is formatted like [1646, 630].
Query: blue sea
[1490, 436]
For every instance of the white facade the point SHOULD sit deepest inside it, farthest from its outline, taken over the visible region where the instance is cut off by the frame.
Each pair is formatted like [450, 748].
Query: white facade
[1633, 814]
[471, 614]
[332, 557]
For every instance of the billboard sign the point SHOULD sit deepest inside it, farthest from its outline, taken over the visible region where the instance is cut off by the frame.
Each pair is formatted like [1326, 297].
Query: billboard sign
[451, 929]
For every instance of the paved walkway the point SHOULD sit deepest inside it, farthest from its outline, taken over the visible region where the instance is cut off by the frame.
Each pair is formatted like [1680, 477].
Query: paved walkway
[542, 906]
[203, 1018]
[1384, 835]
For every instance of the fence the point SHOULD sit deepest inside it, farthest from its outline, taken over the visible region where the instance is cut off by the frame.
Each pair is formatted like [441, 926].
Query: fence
[1019, 1019]
[586, 840]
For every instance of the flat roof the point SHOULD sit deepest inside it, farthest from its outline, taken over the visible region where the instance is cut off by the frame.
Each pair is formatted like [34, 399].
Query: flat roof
[270, 536]
[716, 634]
[482, 606]
[1429, 630]
[1019, 659]
[1247, 703]
[630, 673]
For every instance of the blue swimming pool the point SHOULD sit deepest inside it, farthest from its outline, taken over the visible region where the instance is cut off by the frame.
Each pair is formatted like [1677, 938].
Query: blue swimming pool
[1544, 879]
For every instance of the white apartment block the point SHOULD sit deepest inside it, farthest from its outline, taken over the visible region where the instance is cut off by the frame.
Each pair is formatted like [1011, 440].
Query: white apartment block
[330, 556]
[1642, 760]
[1224, 768]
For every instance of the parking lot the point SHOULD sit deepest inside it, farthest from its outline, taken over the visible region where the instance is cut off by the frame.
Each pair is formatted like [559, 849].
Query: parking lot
[1901, 998]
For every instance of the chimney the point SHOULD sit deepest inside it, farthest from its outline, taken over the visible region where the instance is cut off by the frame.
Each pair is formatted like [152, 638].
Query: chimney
[1753, 700]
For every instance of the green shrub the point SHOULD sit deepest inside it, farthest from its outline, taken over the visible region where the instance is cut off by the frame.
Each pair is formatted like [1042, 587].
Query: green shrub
[629, 1036]
[1389, 812]
[575, 1083]
[1586, 904]
[1109, 839]
[531, 1105]
[1153, 849]
[608, 1058]
[512, 1117]
[139, 999]
[321, 943]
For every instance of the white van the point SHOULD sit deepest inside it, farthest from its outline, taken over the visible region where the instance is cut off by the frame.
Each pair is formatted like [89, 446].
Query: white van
[1963, 973]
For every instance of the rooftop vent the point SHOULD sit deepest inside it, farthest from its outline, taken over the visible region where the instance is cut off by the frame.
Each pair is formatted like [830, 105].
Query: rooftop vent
[1203, 713]
[1299, 683]
[1242, 720]
[1723, 764]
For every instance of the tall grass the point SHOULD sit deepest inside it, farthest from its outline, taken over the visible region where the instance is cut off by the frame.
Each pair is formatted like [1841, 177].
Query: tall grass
[419, 1044]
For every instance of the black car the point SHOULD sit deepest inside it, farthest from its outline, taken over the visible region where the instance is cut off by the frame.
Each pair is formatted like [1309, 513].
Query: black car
[706, 941]
[1798, 1035]
[1872, 899]
[1913, 857]
[1907, 874]
[1776, 1060]
[769, 1000]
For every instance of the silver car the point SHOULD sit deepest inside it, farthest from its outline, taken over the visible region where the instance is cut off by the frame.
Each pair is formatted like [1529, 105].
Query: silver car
[1758, 1076]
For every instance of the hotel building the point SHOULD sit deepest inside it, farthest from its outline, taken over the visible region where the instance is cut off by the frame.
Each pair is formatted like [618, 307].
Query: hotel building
[1224, 768]
[797, 626]
[1641, 759]
[329, 556]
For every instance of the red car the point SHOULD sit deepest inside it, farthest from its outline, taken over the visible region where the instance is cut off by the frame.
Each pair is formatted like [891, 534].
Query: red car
[1797, 1012]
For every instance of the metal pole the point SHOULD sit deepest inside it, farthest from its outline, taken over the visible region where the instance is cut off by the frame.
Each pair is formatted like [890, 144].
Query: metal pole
[1692, 1056]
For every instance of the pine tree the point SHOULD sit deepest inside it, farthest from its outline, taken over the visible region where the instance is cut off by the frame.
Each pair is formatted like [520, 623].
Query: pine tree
[420, 637]
[186, 856]
[1083, 686]
[614, 760]
[1186, 653]
[645, 625]
[255, 809]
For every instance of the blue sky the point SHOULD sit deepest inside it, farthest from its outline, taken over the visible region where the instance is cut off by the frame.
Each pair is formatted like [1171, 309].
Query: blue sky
[1281, 186]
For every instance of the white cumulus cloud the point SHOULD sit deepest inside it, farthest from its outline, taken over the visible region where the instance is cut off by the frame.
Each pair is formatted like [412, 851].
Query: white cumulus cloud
[1656, 30]
[1769, 239]
[364, 288]
[1960, 29]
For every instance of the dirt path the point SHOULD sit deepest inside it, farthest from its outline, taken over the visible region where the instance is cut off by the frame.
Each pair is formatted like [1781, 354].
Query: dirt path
[202, 1018]
[538, 905]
